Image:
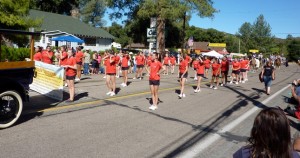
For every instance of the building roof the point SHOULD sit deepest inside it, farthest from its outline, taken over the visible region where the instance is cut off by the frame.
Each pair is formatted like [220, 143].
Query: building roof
[69, 24]
[203, 47]
[136, 45]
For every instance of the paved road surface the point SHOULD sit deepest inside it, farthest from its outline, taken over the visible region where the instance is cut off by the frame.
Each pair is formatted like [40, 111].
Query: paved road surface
[99, 126]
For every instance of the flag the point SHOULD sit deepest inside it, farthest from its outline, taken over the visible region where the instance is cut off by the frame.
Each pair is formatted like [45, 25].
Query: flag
[191, 41]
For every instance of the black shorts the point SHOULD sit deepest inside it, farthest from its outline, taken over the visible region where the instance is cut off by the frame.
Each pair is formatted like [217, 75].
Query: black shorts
[154, 82]
[243, 70]
[79, 63]
[184, 76]
[70, 77]
[195, 69]
[202, 75]
[237, 72]
[125, 68]
[166, 64]
[111, 74]
[224, 72]
[140, 66]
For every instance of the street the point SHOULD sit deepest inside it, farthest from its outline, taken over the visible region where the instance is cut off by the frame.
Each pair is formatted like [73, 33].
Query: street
[96, 125]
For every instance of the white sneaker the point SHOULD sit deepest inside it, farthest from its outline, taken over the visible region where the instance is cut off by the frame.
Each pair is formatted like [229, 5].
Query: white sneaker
[134, 78]
[222, 84]
[77, 79]
[66, 85]
[216, 88]
[117, 76]
[140, 78]
[108, 93]
[183, 95]
[104, 77]
[152, 107]
[230, 82]
[236, 82]
[112, 94]
[180, 95]
[195, 79]
[196, 90]
[211, 87]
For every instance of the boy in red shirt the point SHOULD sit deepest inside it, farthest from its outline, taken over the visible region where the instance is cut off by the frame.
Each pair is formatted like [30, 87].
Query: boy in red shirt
[70, 66]
[183, 74]
[154, 79]
[216, 70]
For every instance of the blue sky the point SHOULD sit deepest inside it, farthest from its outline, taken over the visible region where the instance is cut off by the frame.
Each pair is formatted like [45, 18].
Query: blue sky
[282, 15]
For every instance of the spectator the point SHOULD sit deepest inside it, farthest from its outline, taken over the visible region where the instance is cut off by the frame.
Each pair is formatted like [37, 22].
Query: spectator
[295, 90]
[268, 74]
[270, 137]
[87, 60]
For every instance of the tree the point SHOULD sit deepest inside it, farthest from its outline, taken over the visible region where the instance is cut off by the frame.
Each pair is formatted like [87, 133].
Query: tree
[293, 49]
[92, 12]
[54, 6]
[120, 33]
[162, 9]
[15, 16]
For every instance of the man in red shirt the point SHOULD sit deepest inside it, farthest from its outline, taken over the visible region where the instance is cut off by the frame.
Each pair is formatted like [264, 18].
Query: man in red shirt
[70, 67]
[224, 70]
[183, 74]
[111, 74]
[47, 55]
[79, 56]
[140, 62]
[236, 66]
[154, 79]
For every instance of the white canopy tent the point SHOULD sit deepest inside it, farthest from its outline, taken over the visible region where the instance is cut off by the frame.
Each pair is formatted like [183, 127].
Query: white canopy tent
[213, 53]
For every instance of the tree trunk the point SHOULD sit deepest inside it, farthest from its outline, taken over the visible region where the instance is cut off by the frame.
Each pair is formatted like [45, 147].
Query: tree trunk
[160, 36]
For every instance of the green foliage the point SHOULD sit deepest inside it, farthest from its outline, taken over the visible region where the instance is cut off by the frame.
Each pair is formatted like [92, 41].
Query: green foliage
[54, 6]
[293, 49]
[120, 33]
[14, 54]
[92, 12]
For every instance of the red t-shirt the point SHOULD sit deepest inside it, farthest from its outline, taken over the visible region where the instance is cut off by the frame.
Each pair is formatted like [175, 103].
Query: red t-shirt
[106, 60]
[166, 60]
[195, 64]
[140, 60]
[216, 68]
[125, 61]
[79, 55]
[297, 112]
[37, 56]
[187, 58]
[182, 66]
[46, 58]
[236, 65]
[149, 60]
[200, 68]
[117, 59]
[64, 60]
[207, 63]
[172, 60]
[71, 62]
[224, 65]
[155, 66]
[244, 64]
[111, 66]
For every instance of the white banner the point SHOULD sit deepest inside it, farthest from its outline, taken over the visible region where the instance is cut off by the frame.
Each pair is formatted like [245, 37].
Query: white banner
[49, 80]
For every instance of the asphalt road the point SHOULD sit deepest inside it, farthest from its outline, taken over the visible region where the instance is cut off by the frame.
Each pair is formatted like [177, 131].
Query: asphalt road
[122, 126]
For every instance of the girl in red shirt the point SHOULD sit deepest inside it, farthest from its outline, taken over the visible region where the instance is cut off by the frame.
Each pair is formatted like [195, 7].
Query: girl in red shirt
[236, 66]
[63, 56]
[200, 74]
[140, 62]
[125, 67]
[206, 62]
[216, 71]
[38, 54]
[70, 66]
[195, 65]
[183, 74]
[47, 55]
[244, 68]
[79, 56]
[224, 70]
[111, 74]
[173, 62]
[166, 63]
[154, 79]
[118, 62]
